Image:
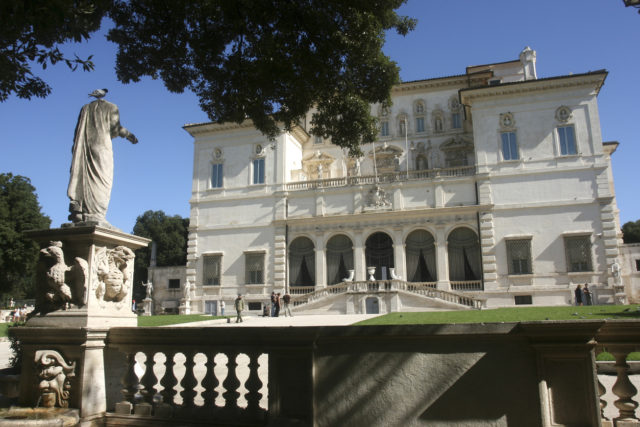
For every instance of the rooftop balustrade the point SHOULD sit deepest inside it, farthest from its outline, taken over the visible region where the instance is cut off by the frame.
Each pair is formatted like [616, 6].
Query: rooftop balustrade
[412, 175]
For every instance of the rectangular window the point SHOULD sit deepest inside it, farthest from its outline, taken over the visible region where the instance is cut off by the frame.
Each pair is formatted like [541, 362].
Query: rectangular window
[174, 283]
[216, 175]
[578, 252]
[455, 121]
[567, 138]
[523, 299]
[384, 129]
[419, 124]
[254, 306]
[509, 146]
[519, 256]
[317, 139]
[211, 270]
[254, 269]
[638, 265]
[258, 171]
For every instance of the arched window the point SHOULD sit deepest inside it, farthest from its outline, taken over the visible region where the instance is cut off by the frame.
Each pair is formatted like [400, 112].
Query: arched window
[339, 258]
[379, 254]
[464, 255]
[302, 262]
[421, 257]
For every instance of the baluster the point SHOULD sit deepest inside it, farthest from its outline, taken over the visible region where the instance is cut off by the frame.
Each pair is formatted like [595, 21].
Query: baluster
[253, 384]
[169, 380]
[130, 385]
[603, 403]
[210, 382]
[231, 383]
[148, 380]
[189, 381]
[623, 388]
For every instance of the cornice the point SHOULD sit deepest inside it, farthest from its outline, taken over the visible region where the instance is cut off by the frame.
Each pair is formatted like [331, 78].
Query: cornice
[195, 129]
[595, 79]
[457, 81]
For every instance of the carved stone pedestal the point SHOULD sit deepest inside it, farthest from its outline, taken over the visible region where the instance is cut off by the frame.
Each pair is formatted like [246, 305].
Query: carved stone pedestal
[185, 306]
[147, 305]
[85, 277]
[83, 288]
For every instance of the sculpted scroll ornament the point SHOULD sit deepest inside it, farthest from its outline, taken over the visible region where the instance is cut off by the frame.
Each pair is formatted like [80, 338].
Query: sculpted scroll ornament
[54, 374]
[114, 273]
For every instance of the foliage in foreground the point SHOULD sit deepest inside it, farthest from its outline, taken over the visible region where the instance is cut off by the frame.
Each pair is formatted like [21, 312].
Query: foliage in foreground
[270, 61]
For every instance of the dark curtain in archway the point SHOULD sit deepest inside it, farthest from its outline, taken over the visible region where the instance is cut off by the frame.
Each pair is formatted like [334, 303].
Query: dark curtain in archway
[379, 253]
[302, 262]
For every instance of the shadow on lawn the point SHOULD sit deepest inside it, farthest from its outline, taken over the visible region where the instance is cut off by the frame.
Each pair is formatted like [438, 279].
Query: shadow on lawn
[631, 313]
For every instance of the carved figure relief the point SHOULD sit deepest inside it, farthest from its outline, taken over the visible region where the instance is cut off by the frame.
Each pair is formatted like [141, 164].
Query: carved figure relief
[456, 151]
[387, 158]
[114, 273]
[54, 374]
[377, 198]
[507, 122]
[317, 165]
[433, 154]
[353, 166]
[59, 285]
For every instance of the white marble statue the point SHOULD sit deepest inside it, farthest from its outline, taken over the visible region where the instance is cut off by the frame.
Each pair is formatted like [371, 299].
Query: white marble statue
[91, 178]
[187, 291]
[149, 287]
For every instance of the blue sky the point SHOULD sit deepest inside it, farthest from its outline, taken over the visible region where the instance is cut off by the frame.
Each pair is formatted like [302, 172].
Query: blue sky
[569, 37]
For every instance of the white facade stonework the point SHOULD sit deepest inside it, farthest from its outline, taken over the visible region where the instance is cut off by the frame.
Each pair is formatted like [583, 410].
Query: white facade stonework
[493, 184]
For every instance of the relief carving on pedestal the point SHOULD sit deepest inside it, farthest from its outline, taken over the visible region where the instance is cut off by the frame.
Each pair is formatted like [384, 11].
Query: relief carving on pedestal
[54, 374]
[59, 285]
[113, 273]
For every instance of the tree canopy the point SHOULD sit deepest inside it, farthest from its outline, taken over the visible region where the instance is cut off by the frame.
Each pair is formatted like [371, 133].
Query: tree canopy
[32, 31]
[169, 233]
[270, 61]
[19, 211]
[631, 232]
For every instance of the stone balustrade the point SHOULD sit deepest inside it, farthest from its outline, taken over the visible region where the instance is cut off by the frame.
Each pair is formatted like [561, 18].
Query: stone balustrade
[382, 178]
[525, 374]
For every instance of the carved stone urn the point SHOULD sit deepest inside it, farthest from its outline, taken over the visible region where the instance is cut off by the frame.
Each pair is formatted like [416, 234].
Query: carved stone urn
[371, 271]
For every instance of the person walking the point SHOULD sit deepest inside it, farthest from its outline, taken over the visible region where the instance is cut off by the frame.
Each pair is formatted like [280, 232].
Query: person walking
[588, 299]
[239, 306]
[278, 302]
[578, 294]
[273, 304]
[287, 299]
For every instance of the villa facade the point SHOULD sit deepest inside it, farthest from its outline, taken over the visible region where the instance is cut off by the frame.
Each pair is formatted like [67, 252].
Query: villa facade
[493, 185]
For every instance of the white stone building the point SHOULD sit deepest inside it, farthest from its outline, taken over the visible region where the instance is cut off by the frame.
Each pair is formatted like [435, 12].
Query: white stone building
[493, 184]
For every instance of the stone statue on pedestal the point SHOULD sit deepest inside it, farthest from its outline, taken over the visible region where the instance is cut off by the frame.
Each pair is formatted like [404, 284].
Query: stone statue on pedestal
[91, 177]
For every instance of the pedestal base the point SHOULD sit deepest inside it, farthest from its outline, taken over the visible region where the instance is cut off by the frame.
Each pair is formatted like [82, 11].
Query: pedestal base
[147, 306]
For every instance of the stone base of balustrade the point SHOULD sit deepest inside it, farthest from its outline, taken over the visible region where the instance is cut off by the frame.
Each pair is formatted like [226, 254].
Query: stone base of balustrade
[626, 423]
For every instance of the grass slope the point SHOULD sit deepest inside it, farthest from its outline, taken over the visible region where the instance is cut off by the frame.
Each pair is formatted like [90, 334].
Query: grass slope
[173, 319]
[516, 314]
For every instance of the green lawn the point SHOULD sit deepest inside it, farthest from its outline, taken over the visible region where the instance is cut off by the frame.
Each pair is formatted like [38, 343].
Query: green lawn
[173, 319]
[516, 314]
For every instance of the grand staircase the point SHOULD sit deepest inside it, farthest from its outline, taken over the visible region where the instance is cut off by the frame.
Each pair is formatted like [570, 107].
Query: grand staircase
[306, 296]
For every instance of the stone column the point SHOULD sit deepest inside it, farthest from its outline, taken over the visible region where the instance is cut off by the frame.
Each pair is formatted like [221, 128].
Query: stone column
[400, 261]
[442, 258]
[321, 264]
[359, 260]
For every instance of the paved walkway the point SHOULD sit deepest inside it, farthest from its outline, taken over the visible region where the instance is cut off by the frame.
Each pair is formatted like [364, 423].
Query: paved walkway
[296, 320]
